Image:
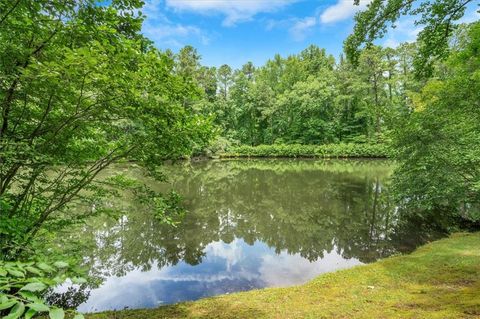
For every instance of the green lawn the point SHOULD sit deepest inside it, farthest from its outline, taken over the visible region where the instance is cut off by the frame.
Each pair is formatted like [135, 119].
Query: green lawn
[438, 280]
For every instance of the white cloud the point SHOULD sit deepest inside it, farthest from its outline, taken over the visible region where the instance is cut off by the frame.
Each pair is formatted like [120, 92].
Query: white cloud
[234, 10]
[342, 10]
[178, 30]
[271, 24]
[284, 270]
[298, 28]
[232, 253]
[166, 31]
[173, 34]
[162, 31]
[301, 27]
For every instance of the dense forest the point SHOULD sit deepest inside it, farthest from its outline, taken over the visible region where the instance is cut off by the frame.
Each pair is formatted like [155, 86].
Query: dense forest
[82, 88]
[307, 98]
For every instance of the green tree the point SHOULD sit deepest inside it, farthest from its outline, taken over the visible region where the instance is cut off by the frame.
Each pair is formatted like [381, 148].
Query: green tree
[350, 115]
[307, 111]
[439, 144]
[81, 89]
[207, 79]
[405, 77]
[315, 60]
[249, 70]
[372, 68]
[187, 63]
[224, 75]
[271, 74]
[437, 16]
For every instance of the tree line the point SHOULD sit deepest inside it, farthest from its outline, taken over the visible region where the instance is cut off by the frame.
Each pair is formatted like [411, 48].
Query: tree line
[306, 98]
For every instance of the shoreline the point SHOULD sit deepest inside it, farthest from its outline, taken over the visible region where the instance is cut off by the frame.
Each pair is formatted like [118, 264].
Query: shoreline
[438, 280]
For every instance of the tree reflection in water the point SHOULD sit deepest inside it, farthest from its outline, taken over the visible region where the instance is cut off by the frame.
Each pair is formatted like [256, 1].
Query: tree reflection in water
[312, 210]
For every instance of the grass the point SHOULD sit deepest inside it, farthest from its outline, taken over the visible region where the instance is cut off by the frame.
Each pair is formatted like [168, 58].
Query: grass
[342, 150]
[438, 280]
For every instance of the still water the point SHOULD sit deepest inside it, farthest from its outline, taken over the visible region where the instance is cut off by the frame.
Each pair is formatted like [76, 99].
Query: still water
[250, 224]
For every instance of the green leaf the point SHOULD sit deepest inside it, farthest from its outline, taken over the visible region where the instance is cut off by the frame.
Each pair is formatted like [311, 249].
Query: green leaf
[60, 264]
[30, 296]
[16, 273]
[38, 307]
[45, 267]
[30, 313]
[34, 286]
[8, 304]
[3, 272]
[34, 270]
[56, 313]
[78, 316]
[16, 311]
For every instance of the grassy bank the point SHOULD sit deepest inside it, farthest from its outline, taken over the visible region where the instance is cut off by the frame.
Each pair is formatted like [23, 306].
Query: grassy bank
[320, 151]
[439, 280]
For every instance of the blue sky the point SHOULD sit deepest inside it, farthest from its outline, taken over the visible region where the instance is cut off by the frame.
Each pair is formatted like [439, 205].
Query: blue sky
[237, 31]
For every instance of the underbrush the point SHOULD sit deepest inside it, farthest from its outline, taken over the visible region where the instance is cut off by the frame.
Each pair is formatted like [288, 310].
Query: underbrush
[349, 150]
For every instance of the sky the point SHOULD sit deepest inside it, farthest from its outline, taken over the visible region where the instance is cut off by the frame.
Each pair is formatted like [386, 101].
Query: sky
[237, 31]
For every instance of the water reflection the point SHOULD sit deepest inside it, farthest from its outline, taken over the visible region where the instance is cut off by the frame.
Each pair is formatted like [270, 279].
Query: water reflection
[226, 268]
[251, 224]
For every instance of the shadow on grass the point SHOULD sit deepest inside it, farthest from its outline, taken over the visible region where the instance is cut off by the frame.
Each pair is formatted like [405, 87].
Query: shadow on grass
[214, 308]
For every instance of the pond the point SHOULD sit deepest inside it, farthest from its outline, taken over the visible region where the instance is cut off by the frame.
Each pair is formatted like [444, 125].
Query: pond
[250, 224]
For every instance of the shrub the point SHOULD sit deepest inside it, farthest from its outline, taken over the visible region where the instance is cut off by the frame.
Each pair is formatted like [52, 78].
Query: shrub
[23, 287]
[349, 150]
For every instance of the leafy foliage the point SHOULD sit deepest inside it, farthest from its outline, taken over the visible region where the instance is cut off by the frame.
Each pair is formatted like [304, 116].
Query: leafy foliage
[322, 151]
[309, 98]
[439, 144]
[438, 18]
[80, 89]
[23, 285]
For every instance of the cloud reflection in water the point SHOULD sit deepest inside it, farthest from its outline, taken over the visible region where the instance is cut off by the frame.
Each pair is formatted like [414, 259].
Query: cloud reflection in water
[226, 268]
